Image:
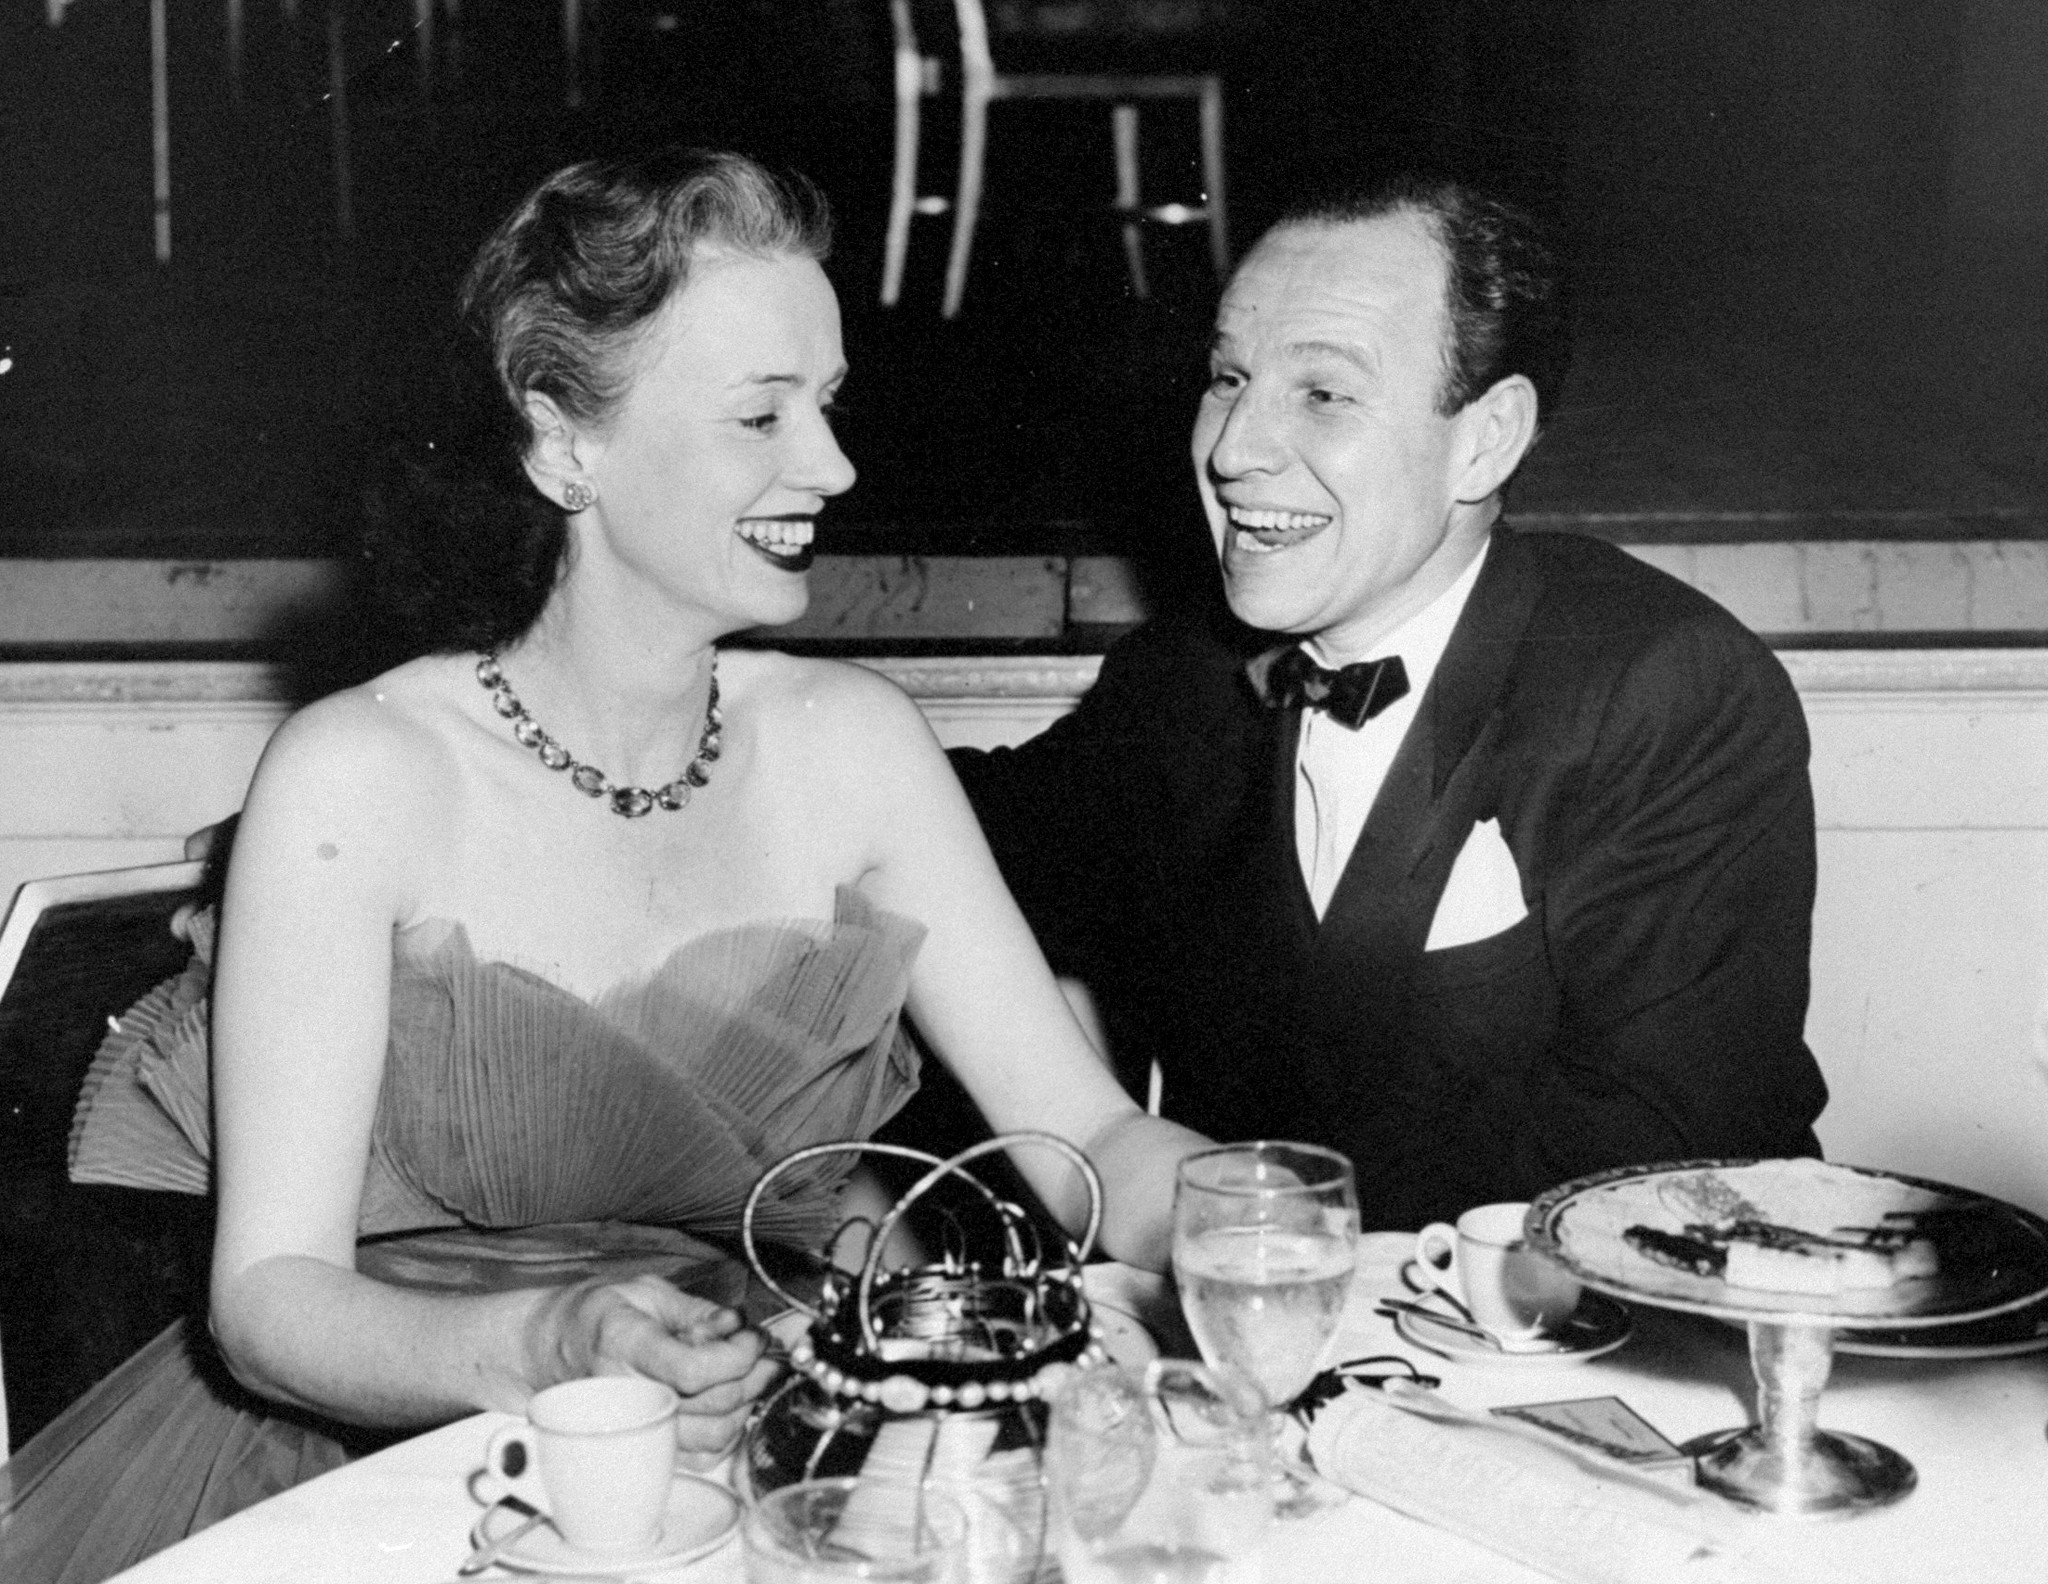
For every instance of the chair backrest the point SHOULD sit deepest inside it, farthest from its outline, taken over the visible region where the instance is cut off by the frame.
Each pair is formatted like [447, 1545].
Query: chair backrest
[932, 30]
[1056, 35]
[86, 1274]
[1098, 35]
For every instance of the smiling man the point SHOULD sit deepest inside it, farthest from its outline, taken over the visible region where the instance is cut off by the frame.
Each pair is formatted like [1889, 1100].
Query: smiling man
[1484, 856]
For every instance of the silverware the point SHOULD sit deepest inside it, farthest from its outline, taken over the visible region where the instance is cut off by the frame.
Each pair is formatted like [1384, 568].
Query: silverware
[1458, 1304]
[485, 1555]
[1393, 1306]
[1415, 1285]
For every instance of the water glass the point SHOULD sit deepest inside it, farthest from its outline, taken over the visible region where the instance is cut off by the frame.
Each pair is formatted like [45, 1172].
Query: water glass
[1265, 1236]
[1160, 1474]
[855, 1531]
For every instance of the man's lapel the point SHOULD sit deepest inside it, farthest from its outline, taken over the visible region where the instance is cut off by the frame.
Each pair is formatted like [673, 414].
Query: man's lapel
[1437, 787]
[1474, 671]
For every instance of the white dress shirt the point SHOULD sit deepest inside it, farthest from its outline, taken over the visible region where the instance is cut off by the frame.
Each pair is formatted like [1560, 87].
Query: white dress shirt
[1338, 772]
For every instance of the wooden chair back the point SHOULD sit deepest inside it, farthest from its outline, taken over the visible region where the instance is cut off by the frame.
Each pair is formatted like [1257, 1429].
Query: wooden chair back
[983, 78]
[87, 1274]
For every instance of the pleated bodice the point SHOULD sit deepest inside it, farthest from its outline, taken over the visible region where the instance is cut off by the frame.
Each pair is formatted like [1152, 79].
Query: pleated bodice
[509, 1102]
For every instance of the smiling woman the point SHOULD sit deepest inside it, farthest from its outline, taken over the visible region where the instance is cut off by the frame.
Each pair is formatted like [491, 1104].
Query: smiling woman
[610, 295]
[717, 458]
[539, 948]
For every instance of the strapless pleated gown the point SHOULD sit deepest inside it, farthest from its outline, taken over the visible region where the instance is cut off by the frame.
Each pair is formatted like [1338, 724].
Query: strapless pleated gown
[524, 1137]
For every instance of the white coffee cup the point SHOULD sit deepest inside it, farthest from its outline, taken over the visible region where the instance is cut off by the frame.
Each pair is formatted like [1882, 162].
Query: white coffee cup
[1511, 1289]
[598, 1456]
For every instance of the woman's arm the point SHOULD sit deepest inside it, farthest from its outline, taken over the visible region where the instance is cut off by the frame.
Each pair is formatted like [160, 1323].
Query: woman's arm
[336, 826]
[982, 994]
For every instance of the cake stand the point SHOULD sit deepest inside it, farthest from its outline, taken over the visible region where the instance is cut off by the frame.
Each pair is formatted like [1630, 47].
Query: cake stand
[1991, 1257]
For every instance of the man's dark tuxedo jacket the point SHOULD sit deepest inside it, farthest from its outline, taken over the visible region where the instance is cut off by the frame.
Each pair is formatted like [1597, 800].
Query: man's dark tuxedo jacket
[1645, 757]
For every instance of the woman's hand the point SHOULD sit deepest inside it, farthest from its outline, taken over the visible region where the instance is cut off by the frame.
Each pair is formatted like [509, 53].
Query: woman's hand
[645, 1326]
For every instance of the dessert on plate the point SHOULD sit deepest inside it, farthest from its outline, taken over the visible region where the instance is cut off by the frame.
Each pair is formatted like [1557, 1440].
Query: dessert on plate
[1794, 1226]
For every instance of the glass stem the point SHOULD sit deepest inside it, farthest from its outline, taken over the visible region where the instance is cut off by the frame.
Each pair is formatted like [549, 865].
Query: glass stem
[1792, 1364]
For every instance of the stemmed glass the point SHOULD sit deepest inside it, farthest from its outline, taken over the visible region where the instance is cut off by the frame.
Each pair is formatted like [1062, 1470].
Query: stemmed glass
[1265, 1236]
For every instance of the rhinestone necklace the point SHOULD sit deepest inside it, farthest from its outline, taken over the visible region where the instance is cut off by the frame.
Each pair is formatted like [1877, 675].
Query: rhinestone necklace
[628, 802]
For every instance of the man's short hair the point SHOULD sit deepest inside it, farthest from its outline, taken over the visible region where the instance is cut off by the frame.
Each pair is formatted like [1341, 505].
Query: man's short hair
[1504, 288]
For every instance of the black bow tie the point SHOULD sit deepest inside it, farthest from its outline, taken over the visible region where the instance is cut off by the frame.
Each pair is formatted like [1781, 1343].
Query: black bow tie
[1351, 696]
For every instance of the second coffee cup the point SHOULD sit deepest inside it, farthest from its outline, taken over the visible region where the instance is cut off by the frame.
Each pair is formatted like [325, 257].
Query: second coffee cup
[1512, 1290]
[598, 1456]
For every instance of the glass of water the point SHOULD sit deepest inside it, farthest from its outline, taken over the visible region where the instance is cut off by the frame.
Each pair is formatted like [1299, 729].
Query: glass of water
[1265, 1236]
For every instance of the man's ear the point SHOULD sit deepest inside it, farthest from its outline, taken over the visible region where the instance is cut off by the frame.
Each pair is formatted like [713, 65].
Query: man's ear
[555, 459]
[1496, 431]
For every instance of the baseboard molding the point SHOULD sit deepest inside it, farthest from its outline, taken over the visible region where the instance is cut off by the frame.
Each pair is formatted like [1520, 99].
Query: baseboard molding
[1836, 590]
[1996, 672]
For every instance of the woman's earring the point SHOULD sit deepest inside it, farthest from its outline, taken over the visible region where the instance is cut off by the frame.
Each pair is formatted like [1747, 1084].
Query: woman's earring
[577, 495]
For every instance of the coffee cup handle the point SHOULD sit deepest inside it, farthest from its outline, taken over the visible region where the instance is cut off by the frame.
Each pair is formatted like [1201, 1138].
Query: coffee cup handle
[1436, 1259]
[510, 1469]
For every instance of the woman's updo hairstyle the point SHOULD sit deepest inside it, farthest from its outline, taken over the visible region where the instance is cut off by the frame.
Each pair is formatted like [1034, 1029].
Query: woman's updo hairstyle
[558, 296]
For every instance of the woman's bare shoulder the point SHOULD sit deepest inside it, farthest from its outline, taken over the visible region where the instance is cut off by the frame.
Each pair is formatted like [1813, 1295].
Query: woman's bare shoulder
[396, 730]
[820, 697]
[355, 802]
[851, 746]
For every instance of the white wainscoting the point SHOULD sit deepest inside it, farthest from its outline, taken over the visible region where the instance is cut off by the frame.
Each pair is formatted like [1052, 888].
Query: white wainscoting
[1930, 1005]
[1930, 957]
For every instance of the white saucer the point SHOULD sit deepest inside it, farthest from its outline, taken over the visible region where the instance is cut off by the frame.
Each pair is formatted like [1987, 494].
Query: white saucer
[1600, 1326]
[701, 1517]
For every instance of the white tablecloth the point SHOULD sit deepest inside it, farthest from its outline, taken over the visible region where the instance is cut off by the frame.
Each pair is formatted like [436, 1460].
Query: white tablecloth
[1973, 1430]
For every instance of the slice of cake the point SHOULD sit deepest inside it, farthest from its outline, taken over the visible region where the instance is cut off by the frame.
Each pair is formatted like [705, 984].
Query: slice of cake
[1801, 1226]
[1777, 1258]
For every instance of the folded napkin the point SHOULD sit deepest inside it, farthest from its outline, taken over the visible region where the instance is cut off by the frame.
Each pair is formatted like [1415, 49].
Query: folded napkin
[1483, 895]
[1568, 1515]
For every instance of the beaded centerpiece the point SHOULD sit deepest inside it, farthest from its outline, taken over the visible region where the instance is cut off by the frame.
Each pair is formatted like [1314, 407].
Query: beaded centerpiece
[937, 1374]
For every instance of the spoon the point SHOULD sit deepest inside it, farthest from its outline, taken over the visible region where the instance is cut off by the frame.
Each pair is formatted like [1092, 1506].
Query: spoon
[1421, 1289]
[485, 1555]
[1394, 1306]
[1458, 1304]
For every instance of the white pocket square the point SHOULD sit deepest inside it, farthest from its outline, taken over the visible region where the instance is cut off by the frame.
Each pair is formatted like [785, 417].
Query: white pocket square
[1483, 895]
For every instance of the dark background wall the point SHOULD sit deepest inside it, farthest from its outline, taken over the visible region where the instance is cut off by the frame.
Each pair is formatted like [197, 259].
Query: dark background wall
[1810, 234]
